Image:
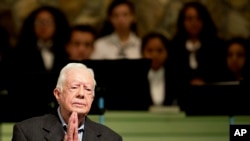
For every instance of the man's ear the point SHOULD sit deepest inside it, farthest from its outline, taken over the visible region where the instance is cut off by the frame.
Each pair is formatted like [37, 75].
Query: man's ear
[56, 92]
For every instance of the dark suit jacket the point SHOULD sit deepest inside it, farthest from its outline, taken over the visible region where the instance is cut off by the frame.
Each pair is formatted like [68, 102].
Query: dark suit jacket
[49, 128]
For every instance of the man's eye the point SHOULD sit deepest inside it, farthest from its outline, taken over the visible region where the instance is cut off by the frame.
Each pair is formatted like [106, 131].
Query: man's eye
[74, 87]
[88, 89]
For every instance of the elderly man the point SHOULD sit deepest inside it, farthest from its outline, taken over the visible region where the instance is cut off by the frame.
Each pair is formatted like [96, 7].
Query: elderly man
[74, 93]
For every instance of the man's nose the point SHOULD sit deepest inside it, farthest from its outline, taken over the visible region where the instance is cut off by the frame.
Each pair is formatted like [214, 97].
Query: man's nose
[81, 91]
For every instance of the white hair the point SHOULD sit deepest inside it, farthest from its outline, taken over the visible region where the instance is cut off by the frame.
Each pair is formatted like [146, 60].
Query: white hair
[70, 66]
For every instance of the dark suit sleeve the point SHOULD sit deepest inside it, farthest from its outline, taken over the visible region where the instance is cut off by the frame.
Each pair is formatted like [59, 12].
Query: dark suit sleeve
[18, 134]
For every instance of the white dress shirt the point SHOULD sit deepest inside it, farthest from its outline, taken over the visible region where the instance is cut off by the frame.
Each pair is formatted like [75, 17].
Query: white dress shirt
[47, 54]
[157, 86]
[80, 129]
[111, 47]
[192, 48]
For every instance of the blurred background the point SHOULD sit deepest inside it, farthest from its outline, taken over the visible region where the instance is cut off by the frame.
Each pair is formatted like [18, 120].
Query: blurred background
[232, 17]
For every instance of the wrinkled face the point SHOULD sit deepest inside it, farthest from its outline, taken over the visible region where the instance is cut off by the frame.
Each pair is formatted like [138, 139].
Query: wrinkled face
[81, 45]
[77, 93]
[156, 51]
[44, 25]
[192, 22]
[236, 57]
[122, 18]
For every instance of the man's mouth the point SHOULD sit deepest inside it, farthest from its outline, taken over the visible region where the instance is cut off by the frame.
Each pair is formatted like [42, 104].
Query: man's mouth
[79, 104]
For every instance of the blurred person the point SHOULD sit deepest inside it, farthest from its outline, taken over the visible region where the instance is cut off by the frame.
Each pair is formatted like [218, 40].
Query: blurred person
[41, 43]
[80, 45]
[118, 39]
[196, 46]
[155, 46]
[236, 59]
[74, 92]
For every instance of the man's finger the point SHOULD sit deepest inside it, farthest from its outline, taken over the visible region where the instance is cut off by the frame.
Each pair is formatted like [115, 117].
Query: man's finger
[72, 130]
[75, 123]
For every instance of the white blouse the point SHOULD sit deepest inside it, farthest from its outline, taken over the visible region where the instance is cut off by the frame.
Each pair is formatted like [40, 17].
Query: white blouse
[157, 86]
[192, 48]
[110, 47]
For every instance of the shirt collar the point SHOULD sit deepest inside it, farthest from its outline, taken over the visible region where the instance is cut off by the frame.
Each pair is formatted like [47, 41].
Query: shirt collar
[131, 41]
[64, 123]
[44, 45]
[191, 46]
[156, 74]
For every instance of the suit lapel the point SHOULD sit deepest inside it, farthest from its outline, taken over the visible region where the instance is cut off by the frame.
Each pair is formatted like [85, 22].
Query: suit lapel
[54, 129]
[91, 131]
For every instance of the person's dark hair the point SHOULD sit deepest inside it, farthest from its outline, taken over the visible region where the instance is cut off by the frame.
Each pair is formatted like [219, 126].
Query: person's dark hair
[209, 29]
[116, 3]
[245, 44]
[152, 35]
[83, 28]
[239, 40]
[27, 36]
[107, 27]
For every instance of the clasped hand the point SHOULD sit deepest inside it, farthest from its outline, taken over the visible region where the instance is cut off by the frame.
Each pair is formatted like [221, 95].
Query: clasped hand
[72, 130]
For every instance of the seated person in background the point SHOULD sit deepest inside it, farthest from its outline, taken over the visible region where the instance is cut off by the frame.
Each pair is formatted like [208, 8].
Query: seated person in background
[196, 46]
[236, 60]
[155, 46]
[74, 93]
[118, 39]
[41, 42]
[81, 42]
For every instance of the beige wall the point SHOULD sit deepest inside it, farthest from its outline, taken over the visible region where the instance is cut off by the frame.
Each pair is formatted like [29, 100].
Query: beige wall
[232, 17]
